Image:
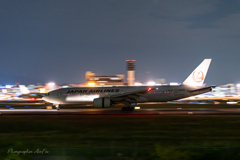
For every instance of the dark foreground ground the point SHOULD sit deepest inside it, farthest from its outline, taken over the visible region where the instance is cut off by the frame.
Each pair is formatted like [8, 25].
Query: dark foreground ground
[119, 137]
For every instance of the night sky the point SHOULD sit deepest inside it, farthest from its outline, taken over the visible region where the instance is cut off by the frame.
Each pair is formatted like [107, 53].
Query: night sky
[59, 40]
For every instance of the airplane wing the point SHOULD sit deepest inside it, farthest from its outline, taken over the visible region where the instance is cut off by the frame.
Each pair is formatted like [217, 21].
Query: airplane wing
[130, 96]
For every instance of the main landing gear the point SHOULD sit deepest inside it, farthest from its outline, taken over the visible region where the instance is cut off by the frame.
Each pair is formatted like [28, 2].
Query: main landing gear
[128, 108]
[57, 107]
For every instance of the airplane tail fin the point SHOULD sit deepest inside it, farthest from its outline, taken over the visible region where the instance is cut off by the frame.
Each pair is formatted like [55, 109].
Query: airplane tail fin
[196, 78]
[24, 89]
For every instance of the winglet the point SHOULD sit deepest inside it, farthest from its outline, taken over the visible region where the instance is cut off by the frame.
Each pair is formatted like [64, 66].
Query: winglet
[196, 78]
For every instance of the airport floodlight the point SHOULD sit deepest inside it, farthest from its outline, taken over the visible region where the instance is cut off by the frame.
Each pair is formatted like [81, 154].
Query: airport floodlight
[151, 83]
[42, 90]
[4, 91]
[138, 84]
[51, 84]
[91, 84]
[8, 86]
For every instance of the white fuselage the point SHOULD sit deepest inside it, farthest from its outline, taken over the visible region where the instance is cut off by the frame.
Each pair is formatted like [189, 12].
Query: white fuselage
[86, 95]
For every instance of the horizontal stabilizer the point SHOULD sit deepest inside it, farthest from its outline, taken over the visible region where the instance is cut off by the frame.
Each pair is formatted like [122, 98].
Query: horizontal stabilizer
[201, 90]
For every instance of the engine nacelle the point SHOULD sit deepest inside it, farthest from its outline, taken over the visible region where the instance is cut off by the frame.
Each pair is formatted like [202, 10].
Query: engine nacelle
[102, 102]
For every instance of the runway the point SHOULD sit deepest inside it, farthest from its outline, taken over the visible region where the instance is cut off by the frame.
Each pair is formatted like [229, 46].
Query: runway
[117, 111]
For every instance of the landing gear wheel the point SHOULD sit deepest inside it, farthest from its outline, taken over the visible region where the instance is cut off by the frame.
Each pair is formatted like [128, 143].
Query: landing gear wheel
[57, 107]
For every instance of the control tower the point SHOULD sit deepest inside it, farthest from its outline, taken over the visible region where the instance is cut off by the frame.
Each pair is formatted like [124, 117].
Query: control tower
[131, 72]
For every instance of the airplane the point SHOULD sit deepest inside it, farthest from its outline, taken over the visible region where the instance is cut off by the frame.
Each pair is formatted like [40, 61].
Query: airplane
[31, 92]
[105, 97]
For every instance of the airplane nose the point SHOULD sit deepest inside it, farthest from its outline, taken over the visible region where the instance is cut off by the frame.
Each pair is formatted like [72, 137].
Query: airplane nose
[45, 98]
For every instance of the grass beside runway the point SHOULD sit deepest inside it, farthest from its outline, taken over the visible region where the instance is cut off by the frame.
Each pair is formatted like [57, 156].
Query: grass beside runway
[122, 137]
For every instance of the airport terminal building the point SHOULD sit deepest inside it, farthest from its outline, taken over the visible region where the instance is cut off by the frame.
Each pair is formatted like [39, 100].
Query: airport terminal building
[92, 80]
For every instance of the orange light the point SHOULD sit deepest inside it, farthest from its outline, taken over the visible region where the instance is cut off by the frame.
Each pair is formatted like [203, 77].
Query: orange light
[91, 84]
[149, 89]
[33, 99]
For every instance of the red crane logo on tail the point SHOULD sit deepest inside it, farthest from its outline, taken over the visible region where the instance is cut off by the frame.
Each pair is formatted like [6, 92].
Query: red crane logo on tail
[198, 76]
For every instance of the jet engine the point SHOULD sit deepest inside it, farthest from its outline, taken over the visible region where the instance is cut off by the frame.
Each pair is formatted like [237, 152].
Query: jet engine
[102, 102]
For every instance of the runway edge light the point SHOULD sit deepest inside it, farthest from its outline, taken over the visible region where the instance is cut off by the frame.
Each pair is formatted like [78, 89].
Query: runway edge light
[137, 107]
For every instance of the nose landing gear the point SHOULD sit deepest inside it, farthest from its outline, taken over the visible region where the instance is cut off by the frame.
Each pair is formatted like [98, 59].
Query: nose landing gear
[128, 106]
[57, 107]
